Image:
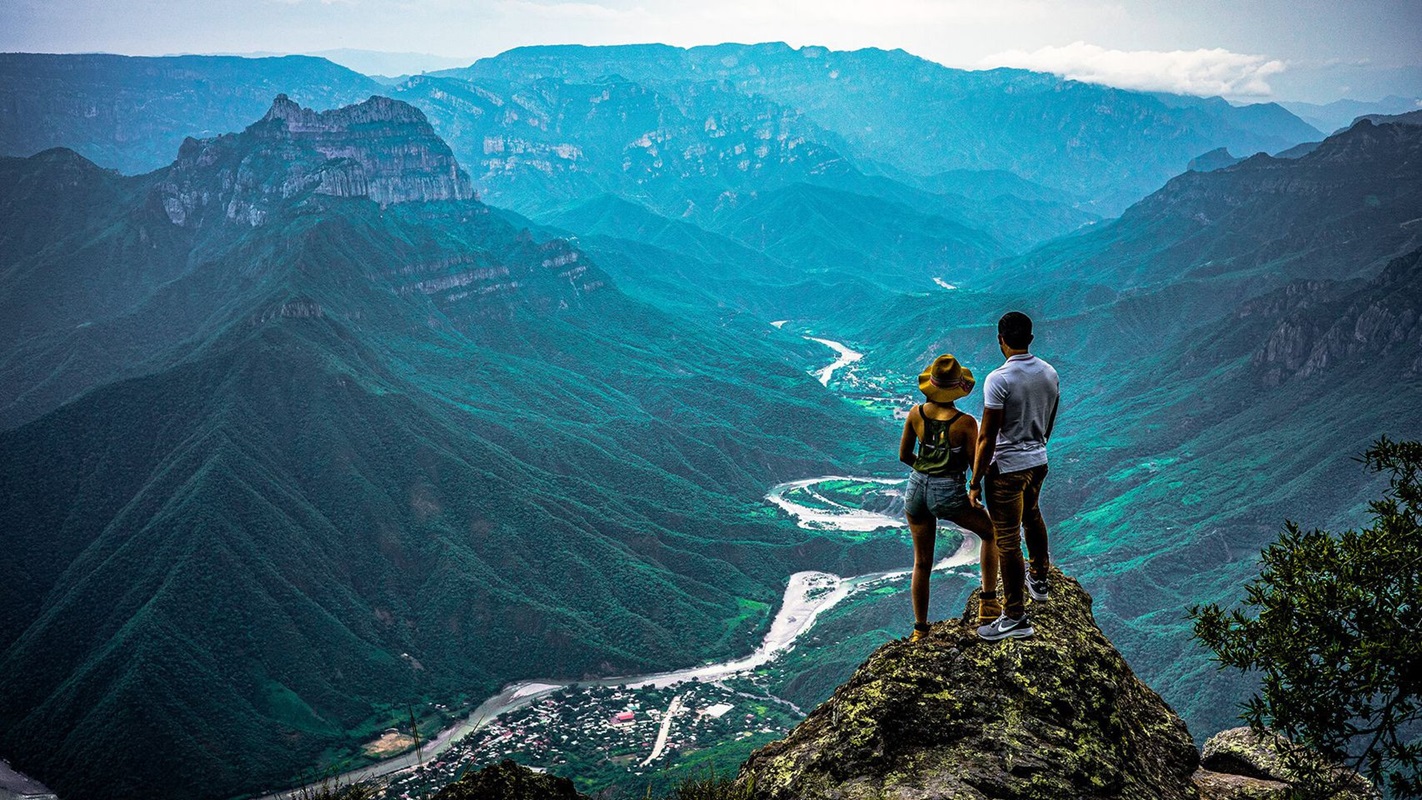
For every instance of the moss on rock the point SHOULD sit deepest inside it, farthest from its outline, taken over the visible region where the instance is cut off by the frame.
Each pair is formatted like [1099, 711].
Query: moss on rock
[1056, 715]
[1243, 752]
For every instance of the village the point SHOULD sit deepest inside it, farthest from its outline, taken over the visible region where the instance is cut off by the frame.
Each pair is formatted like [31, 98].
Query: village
[611, 737]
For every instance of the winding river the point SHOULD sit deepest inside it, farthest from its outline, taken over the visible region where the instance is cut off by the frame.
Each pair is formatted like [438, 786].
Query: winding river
[844, 357]
[807, 595]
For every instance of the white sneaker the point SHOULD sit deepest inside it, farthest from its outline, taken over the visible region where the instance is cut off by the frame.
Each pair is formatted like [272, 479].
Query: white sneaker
[1005, 627]
[1037, 587]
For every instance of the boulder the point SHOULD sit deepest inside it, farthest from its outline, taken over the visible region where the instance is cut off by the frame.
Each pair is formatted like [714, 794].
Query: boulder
[1226, 786]
[1058, 715]
[1241, 751]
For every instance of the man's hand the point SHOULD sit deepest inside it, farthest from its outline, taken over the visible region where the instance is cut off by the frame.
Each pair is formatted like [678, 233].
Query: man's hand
[982, 457]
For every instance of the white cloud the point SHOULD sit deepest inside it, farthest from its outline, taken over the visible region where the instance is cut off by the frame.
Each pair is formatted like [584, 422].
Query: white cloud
[565, 10]
[1198, 72]
[896, 14]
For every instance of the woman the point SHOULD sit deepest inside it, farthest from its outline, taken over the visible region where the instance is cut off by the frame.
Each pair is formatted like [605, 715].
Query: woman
[937, 489]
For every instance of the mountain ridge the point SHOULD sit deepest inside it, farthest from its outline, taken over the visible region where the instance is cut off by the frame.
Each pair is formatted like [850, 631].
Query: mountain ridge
[345, 442]
[381, 148]
[882, 102]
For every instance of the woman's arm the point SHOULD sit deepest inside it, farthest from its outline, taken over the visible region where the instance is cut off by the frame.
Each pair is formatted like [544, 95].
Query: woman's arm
[909, 439]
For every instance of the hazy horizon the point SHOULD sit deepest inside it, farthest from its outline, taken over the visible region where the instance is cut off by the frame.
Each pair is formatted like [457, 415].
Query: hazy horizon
[1313, 52]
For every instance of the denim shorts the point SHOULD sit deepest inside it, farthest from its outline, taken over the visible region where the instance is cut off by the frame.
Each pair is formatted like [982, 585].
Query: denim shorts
[941, 497]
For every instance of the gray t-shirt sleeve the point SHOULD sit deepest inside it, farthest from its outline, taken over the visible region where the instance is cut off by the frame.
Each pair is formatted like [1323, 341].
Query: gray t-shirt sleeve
[994, 390]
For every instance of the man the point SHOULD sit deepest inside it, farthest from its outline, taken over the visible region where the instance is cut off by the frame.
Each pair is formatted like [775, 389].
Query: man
[1019, 408]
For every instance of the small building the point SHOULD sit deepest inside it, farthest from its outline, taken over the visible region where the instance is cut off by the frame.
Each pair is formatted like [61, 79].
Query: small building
[717, 711]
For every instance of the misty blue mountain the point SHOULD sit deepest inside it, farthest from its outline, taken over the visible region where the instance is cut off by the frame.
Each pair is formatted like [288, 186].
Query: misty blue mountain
[325, 397]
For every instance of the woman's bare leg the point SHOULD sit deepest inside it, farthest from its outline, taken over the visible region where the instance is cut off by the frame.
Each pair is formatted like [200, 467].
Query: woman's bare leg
[925, 532]
[975, 520]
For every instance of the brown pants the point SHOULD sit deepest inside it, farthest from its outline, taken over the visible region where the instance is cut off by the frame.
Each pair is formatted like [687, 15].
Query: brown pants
[1012, 505]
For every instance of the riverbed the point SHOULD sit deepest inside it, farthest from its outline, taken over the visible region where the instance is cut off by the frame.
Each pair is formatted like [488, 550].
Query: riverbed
[807, 596]
[843, 358]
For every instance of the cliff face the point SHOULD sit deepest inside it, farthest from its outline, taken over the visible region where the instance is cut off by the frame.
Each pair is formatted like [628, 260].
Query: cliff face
[382, 149]
[1379, 320]
[1057, 715]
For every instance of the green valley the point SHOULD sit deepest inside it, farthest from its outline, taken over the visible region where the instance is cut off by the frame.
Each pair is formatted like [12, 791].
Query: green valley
[519, 397]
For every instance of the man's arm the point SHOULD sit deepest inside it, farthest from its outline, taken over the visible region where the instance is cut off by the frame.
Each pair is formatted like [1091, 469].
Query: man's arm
[987, 445]
[1056, 403]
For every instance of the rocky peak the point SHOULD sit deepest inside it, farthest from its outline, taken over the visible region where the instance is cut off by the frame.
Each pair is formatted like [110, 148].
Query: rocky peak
[1056, 715]
[283, 108]
[1218, 158]
[382, 149]
[375, 111]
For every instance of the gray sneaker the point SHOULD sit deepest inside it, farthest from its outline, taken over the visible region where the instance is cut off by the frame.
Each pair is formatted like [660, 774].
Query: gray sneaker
[1005, 627]
[1037, 587]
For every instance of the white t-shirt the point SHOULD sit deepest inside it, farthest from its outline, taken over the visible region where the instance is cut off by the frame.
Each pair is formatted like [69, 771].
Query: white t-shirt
[1026, 389]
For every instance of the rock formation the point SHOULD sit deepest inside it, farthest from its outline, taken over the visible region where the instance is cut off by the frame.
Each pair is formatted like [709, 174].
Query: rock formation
[1059, 715]
[1326, 325]
[382, 149]
[1238, 764]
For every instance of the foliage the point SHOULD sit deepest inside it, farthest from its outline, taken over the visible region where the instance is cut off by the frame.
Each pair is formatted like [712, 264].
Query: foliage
[1335, 637]
[333, 789]
[709, 786]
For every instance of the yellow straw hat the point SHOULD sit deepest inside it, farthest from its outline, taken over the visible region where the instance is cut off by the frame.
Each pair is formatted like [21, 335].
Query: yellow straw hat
[945, 380]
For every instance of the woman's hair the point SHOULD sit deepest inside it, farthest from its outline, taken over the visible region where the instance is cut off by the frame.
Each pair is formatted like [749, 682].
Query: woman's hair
[1015, 328]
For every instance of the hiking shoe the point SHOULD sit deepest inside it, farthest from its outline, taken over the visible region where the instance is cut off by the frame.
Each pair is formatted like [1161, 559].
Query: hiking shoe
[919, 633]
[1005, 627]
[1037, 587]
[989, 609]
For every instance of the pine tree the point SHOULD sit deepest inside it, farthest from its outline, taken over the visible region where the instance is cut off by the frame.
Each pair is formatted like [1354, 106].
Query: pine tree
[1331, 628]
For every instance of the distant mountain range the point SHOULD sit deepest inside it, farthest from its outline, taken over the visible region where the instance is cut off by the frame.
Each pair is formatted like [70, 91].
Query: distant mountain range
[130, 113]
[1330, 117]
[543, 117]
[906, 113]
[332, 436]
[473, 380]
[1339, 211]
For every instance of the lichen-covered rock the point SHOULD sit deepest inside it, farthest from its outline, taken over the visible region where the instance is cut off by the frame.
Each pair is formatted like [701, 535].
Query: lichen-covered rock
[1225, 786]
[1241, 751]
[509, 781]
[1058, 715]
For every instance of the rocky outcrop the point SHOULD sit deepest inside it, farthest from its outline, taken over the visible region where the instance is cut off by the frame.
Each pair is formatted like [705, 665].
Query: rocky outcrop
[1228, 786]
[382, 149]
[1239, 764]
[1057, 715]
[509, 781]
[1381, 319]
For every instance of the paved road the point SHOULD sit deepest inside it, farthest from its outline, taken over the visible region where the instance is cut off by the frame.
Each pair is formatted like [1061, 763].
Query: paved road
[672, 711]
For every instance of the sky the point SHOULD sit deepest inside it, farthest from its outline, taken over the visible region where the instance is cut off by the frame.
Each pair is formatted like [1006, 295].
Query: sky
[1309, 50]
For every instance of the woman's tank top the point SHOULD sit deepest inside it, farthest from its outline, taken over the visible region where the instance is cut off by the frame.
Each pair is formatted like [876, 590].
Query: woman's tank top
[935, 456]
